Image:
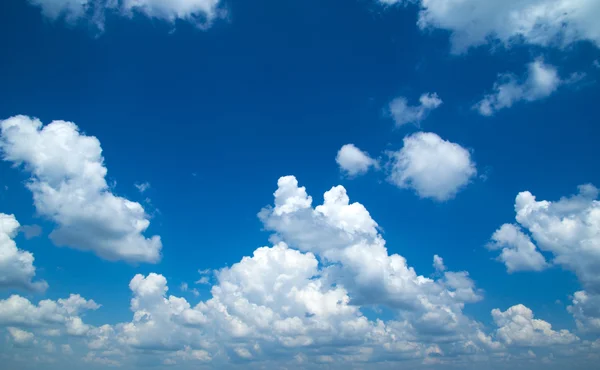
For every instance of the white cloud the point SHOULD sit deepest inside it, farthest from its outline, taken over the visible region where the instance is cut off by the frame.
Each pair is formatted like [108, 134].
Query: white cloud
[518, 252]
[69, 187]
[354, 161]
[198, 12]
[569, 229]
[344, 234]
[537, 22]
[517, 327]
[19, 336]
[433, 167]
[171, 10]
[300, 302]
[16, 265]
[76, 327]
[283, 300]
[402, 113]
[19, 311]
[70, 9]
[541, 81]
[438, 263]
[205, 280]
[142, 187]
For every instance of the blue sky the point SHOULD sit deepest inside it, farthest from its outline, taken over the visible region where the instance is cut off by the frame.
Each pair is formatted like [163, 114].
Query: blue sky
[451, 112]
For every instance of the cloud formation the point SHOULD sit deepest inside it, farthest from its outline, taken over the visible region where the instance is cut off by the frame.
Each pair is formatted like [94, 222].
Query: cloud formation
[569, 230]
[518, 327]
[518, 252]
[433, 167]
[353, 161]
[541, 81]
[16, 265]
[198, 12]
[403, 113]
[471, 23]
[299, 304]
[69, 187]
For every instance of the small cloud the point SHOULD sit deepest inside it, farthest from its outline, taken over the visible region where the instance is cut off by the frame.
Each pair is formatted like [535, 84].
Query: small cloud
[31, 231]
[195, 292]
[142, 187]
[204, 272]
[183, 287]
[203, 280]
[403, 113]
[353, 161]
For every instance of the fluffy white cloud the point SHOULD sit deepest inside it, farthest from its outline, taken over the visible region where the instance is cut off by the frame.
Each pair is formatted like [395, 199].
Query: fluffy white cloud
[518, 252]
[517, 327]
[69, 187]
[20, 336]
[16, 265]
[354, 161]
[402, 113]
[19, 311]
[541, 81]
[569, 229]
[199, 12]
[433, 167]
[304, 299]
[299, 304]
[344, 235]
[536, 22]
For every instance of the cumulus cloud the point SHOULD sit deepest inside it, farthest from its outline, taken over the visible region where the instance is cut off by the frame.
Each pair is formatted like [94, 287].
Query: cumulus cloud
[569, 230]
[19, 311]
[69, 187]
[353, 161]
[19, 336]
[541, 81]
[403, 113]
[16, 265]
[198, 12]
[299, 304]
[518, 327]
[303, 296]
[518, 252]
[433, 167]
[538, 22]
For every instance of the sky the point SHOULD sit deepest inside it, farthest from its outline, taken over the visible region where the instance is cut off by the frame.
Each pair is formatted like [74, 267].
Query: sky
[333, 184]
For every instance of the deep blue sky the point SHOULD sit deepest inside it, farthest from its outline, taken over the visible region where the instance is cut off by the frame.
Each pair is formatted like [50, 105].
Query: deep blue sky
[211, 119]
